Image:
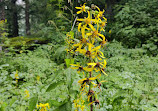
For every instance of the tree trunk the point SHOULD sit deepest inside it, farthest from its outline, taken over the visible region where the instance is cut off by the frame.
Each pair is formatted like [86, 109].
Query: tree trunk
[27, 22]
[2, 10]
[15, 31]
[109, 8]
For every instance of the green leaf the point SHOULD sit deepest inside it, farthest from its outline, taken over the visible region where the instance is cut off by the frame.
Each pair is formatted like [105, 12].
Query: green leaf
[54, 85]
[33, 102]
[69, 61]
[13, 100]
[72, 34]
[66, 107]
[56, 103]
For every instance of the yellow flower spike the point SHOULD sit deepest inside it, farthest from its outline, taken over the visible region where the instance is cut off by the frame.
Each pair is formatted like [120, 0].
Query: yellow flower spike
[82, 8]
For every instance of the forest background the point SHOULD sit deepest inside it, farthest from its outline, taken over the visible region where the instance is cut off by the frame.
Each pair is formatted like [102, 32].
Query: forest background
[32, 36]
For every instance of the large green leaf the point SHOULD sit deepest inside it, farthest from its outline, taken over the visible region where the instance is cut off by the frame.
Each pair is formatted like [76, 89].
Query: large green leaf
[54, 85]
[33, 102]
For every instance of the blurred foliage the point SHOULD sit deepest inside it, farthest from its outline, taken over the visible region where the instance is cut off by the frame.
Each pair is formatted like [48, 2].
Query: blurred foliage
[136, 23]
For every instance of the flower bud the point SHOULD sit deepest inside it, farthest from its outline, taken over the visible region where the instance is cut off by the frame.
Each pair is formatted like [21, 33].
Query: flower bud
[87, 8]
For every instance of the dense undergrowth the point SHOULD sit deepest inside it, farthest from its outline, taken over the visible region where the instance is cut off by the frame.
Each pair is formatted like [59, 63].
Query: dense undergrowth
[131, 85]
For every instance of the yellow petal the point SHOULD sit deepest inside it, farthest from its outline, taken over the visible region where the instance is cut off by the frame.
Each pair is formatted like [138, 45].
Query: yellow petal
[104, 63]
[78, 7]
[93, 83]
[104, 72]
[83, 32]
[88, 14]
[88, 34]
[91, 103]
[97, 48]
[94, 78]
[80, 19]
[79, 12]
[79, 27]
[92, 27]
[92, 64]
[103, 37]
[81, 81]
[88, 69]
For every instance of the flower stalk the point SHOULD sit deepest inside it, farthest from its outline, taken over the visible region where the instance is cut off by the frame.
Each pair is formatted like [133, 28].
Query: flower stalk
[89, 46]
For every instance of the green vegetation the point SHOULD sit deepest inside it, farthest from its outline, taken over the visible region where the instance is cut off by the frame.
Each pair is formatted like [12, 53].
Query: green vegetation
[131, 84]
[35, 68]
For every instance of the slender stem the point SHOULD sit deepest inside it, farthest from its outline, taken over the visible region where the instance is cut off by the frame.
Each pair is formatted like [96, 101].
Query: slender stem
[73, 24]
[91, 99]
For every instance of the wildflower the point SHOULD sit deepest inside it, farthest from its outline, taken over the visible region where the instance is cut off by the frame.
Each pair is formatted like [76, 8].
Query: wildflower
[16, 76]
[80, 68]
[85, 80]
[27, 93]
[43, 107]
[38, 78]
[99, 66]
[95, 33]
[87, 21]
[102, 23]
[100, 14]
[82, 8]
[109, 31]
[82, 107]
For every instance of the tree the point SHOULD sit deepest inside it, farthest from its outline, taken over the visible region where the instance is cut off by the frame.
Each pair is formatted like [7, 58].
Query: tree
[27, 17]
[2, 10]
[15, 31]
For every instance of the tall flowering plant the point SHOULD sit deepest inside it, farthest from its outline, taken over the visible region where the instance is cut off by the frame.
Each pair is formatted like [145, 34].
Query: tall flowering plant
[89, 46]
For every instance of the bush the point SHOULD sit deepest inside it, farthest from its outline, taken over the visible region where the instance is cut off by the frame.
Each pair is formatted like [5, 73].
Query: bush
[136, 22]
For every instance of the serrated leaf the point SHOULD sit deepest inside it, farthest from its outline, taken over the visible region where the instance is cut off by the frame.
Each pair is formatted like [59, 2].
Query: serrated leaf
[33, 102]
[54, 85]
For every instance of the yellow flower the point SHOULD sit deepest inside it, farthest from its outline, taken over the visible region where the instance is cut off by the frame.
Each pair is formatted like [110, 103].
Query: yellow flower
[43, 107]
[99, 66]
[109, 31]
[80, 68]
[100, 14]
[85, 80]
[95, 33]
[87, 21]
[16, 75]
[82, 107]
[38, 78]
[102, 23]
[27, 93]
[82, 9]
